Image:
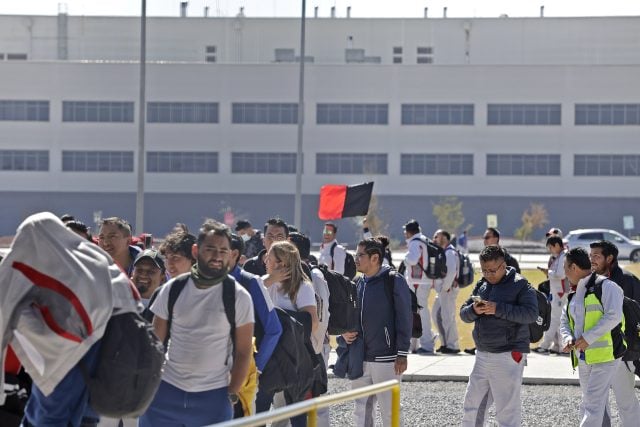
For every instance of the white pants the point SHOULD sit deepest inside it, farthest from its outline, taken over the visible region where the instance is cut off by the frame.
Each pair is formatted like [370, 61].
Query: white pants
[444, 316]
[365, 412]
[426, 340]
[595, 381]
[494, 376]
[552, 339]
[623, 385]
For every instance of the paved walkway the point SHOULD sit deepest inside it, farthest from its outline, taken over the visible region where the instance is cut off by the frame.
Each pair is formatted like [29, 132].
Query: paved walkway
[540, 369]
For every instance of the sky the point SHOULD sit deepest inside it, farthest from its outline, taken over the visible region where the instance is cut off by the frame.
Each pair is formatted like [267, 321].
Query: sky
[359, 8]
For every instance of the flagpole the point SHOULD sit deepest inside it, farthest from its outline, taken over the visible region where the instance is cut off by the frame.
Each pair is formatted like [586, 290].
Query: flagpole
[297, 204]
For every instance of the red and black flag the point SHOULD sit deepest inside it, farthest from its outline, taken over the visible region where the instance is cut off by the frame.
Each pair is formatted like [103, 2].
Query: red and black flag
[342, 201]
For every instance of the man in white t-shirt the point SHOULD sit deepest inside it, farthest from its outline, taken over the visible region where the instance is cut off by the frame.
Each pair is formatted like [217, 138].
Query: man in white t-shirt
[332, 253]
[203, 374]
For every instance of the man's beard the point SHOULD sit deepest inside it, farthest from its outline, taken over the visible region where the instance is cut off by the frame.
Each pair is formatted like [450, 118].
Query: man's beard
[211, 272]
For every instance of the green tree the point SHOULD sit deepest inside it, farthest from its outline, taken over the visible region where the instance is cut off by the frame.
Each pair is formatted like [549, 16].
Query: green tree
[448, 214]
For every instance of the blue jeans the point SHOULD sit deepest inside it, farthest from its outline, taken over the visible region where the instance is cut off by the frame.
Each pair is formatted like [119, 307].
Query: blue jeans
[173, 407]
[67, 404]
[263, 404]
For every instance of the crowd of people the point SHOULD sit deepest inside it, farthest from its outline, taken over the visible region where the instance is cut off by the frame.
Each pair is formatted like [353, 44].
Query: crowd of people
[220, 300]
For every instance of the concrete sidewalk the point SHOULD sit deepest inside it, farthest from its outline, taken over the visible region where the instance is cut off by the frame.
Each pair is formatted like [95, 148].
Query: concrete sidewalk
[540, 369]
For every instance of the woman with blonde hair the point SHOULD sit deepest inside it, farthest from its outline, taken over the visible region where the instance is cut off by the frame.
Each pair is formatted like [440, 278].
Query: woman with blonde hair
[289, 289]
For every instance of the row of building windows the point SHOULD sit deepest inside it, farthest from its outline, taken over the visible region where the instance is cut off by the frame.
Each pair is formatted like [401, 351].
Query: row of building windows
[326, 163]
[334, 114]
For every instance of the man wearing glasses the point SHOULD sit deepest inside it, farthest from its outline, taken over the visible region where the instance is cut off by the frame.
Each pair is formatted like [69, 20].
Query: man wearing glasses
[502, 305]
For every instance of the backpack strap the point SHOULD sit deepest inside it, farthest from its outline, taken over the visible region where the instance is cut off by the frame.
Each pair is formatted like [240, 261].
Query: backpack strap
[229, 302]
[331, 252]
[174, 292]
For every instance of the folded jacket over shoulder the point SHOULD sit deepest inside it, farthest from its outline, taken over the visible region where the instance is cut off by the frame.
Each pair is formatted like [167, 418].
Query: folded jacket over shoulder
[350, 363]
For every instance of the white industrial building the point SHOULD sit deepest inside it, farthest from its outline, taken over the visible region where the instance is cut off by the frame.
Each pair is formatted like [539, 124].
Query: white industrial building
[498, 112]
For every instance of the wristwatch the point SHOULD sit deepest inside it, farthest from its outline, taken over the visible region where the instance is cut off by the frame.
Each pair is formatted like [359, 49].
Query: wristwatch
[233, 398]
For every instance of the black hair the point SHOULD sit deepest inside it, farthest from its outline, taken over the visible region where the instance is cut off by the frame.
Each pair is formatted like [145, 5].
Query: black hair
[292, 228]
[607, 248]
[212, 226]
[445, 233]
[332, 225]
[384, 240]
[554, 240]
[373, 246]
[277, 222]
[301, 242]
[122, 225]
[237, 244]
[179, 241]
[579, 257]
[494, 232]
[492, 253]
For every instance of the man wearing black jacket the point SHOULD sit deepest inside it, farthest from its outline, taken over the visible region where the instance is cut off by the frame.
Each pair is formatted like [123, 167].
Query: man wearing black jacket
[275, 230]
[604, 261]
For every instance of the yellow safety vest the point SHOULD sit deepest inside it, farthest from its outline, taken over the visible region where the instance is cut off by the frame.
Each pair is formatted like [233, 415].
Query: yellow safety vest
[601, 350]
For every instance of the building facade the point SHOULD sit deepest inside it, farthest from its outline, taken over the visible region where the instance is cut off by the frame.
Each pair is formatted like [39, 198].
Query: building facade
[500, 113]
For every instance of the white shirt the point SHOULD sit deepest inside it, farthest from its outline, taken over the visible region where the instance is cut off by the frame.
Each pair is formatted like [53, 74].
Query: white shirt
[199, 354]
[556, 274]
[322, 292]
[612, 297]
[306, 296]
[339, 255]
[416, 257]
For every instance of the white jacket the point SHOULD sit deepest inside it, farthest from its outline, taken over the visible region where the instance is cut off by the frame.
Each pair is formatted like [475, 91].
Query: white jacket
[339, 254]
[58, 292]
[416, 260]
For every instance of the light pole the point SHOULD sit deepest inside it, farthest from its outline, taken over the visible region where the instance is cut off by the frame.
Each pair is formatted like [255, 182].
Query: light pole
[141, 120]
[297, 208]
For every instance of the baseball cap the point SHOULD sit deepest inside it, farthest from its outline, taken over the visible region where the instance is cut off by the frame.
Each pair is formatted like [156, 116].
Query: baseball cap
[412, 226]
[554, 232]
[153, 255]
[242, 224]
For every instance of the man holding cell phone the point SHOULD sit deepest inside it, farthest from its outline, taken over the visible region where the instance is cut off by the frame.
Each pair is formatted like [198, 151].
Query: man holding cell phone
[502, 306]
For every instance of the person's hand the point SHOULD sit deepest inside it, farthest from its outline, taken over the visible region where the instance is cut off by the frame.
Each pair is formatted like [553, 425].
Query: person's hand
[349, 337]
[484, 307]
[581, 344]
[277, 275]
[401, 365]
[242, 260]
[568, 346]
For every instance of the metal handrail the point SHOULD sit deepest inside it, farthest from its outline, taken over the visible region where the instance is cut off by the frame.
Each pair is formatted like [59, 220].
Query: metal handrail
[311, 406]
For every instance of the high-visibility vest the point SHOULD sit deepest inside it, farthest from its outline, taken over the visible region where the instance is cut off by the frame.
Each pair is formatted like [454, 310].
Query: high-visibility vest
[602, 349]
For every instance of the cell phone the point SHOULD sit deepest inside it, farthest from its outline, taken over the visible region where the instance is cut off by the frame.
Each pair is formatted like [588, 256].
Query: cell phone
[477, 298]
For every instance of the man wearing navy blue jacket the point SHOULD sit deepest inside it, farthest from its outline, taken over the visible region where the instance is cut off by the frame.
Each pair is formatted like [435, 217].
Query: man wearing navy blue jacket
[268, 328]
[385, 328]
[502, 305]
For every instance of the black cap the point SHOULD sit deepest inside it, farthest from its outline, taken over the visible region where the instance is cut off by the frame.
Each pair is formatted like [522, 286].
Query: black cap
[412, 226]
[242, 224]
[151, 254]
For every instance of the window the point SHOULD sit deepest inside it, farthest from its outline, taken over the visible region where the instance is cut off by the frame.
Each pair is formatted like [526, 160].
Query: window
[37, 111]
[16, 56]
[210, 49]
[97, 161]
[436, 164]
[352, 114]
[263, 162]
[182, 161]
[437, 114]
[607, 114]
[24, 160]
[523, 164]
[264, 113]
[606, 165]
[523, 114]
[97, 111]
[351, 163]
[182, 112]
[397, 60]
[397, 50]
[591, 236]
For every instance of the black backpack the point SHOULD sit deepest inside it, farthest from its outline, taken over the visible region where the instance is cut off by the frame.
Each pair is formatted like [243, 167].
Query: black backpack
[436, 260]
[543, 321]
[128, 370]
[466, 272]
[389, 283]
[349, 262]
[343, 295]
[631, 313]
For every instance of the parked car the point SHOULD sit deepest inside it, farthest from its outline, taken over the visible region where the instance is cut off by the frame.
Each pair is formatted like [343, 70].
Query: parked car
[628, 249]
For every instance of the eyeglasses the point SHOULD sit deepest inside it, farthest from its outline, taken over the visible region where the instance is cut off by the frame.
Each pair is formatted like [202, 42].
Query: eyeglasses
[492, 272]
